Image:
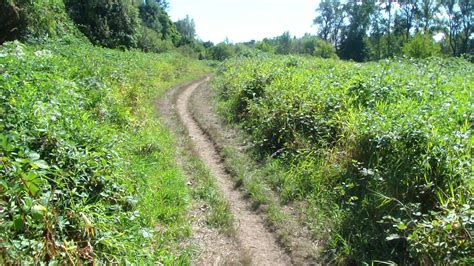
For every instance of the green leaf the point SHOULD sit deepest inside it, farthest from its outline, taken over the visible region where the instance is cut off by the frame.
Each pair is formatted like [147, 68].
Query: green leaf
[40, 164]
[33, 156]
[18, 223]
[392, 237]
[33, 182]
[402, 226]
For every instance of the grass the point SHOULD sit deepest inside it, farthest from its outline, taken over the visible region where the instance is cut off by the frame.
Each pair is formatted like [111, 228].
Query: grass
[250, 177]
[205, 189]
[378, 152]
[88, 172]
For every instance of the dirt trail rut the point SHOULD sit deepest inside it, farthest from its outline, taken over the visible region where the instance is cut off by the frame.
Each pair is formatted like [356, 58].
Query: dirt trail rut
[256, 240]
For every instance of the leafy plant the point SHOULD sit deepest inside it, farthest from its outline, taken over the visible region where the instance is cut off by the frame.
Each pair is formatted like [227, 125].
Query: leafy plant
[87, 172]
[382, 148]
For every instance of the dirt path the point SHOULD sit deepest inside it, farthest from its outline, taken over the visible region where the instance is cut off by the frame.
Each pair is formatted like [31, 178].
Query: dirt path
[255, 239]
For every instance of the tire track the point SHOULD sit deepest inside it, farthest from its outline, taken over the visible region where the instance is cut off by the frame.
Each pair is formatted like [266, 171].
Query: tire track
[255, 239]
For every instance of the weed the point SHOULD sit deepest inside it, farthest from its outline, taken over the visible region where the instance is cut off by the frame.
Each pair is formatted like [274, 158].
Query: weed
[381, 148]
[87, 173]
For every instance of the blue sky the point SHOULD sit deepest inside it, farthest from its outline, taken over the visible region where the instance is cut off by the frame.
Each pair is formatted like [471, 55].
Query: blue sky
[244, 20]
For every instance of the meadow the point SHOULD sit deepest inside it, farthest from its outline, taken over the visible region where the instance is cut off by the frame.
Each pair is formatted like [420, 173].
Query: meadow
[88, 170]
[380, 153]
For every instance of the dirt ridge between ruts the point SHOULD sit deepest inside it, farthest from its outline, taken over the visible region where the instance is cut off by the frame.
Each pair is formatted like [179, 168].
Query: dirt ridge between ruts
[259, 243]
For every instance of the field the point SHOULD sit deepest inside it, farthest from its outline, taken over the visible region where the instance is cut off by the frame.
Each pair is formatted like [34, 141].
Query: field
[88, 171]
[380, 153]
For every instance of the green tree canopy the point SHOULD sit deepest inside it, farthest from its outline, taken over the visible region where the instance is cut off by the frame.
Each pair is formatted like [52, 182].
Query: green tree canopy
[187, 29]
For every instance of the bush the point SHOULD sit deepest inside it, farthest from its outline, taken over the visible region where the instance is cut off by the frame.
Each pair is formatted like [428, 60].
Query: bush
[83, 159]
[324, 49]
[221, 51]
[34, 20]
[149, 40]
[111, 23]
[421, 46]
[383, 150]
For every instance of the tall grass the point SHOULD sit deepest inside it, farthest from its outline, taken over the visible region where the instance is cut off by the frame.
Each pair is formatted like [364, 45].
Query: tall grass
[380, 151]
[87, 172]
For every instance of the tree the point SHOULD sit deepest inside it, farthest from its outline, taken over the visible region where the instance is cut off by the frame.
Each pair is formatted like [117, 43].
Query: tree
[284, 43]
[427, 13]
[382, 28]
[207, 44]
[111, 23]
[221, 51]
[409, 10]
[265, 46]
[376, 33]
[457, 25]
[9, 21]
[353, 44]
[330, 19]
[187, 29]
[421, 46]
[153, 14]
[327, 11]
[164, 4]
[150, 14]
[467, 21]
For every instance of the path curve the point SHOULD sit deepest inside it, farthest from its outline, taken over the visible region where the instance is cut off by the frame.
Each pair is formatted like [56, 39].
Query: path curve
[256, 240]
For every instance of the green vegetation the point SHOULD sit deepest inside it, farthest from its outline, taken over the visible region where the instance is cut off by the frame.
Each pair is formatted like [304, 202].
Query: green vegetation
[308, 45]
[371, 30]
[145, 25]
[88, 172]
[380, 152]
[33, 20]
[205, 189]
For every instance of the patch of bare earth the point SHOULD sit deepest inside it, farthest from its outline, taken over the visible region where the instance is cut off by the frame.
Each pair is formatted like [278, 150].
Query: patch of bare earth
[293, 235]
[211, 246]
[255, 241]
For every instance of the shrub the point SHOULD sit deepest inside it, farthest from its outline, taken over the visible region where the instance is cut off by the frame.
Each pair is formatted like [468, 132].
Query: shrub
[149, 40]
[34, 20]
[221, 51]
[111, 23]
[381, 149]
[421, 46]
[88, 174]
[324, 49]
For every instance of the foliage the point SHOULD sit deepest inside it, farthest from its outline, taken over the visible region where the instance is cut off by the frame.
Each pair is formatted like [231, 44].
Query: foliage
[111, 23]
[421, 46]
[115, 24]
[389, 26]
[265, 46]
[313, 45]
[150, 14]
[154, 16]
[150, 41]
[323, 49]
[34, 19]
[383, 149]
[187, 29]
[87, 173]
[221, 52]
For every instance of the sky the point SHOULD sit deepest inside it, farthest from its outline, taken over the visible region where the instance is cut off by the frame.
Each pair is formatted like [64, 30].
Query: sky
[245, 20]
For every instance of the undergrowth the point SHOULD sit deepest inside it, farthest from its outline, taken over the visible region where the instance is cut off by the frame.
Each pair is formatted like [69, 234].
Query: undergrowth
[380, 152]
[88, 174]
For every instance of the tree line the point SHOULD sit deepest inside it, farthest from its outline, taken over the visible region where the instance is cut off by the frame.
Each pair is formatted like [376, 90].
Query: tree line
[141, 24]
[349, 29]
[371, 29]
